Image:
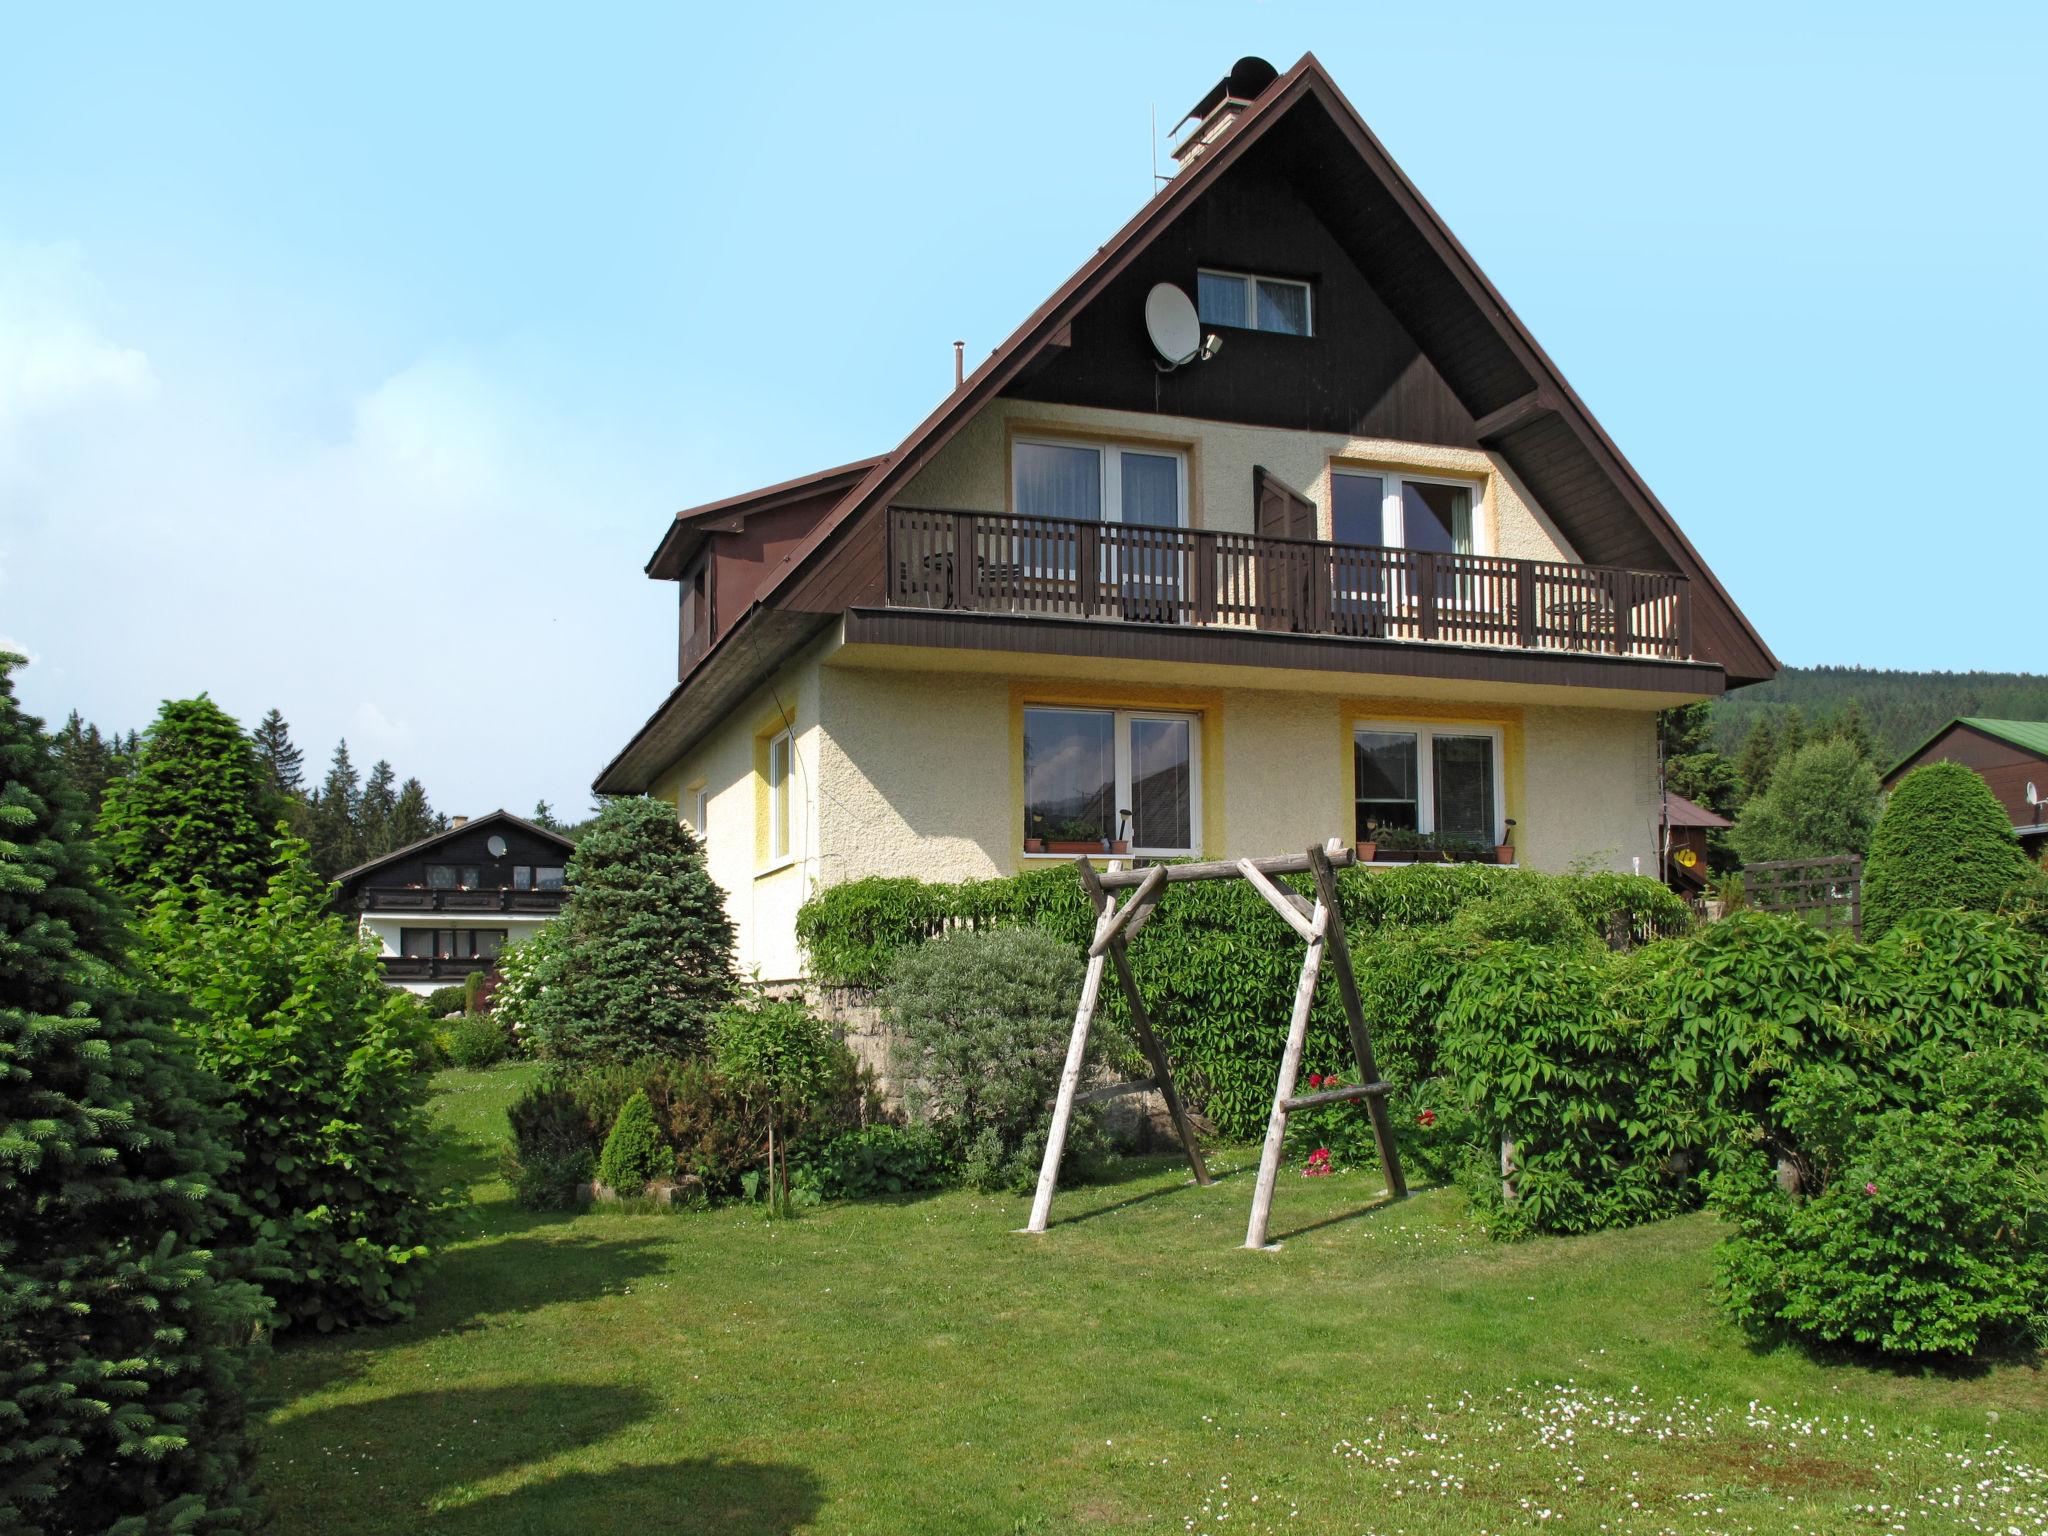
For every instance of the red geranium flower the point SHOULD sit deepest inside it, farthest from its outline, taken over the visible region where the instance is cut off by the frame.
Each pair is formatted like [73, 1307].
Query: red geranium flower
[1427, 1117]
[1315, 1080]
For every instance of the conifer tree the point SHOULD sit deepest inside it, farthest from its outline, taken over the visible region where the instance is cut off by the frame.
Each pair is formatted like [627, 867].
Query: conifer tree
[646, 952]
[1692, 767]
[125, 1341]
[1791, 734]
[1849, 724]
[412, 818]
[336, 832]
[380, 800]
[544, 816]
[283, 763]
[194, 809]
[1759, 755]
[87, 761]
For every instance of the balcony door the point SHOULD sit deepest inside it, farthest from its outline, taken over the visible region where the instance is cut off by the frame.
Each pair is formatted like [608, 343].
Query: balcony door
[1374, 514]
[1124, 487]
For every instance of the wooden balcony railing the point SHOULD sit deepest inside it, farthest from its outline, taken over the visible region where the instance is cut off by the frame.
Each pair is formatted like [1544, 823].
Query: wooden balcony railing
[429, 968]
[414, 898]
[991, 563]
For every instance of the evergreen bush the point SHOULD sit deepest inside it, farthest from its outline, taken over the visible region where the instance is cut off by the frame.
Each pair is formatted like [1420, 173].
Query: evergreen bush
[290, 1012]
[634, 1155]
[445, 1002]
[1943, 843]
[643, 959]
[983, 1020]
[552, 1157]
[478, 1040]
[195, 811]
[126, 1338]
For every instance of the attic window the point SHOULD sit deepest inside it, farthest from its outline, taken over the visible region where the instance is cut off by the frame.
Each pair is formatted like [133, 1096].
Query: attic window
[1254, 303]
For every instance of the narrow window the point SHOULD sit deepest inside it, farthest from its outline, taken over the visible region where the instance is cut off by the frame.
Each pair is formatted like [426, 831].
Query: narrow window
[1384, 767]
[779, 751]
[700, 812]
[1464, 786]
[416, 943]
[522, 877]
[1162, 783]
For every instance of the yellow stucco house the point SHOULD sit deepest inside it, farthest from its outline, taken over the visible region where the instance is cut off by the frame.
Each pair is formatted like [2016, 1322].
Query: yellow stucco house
[1273, 524]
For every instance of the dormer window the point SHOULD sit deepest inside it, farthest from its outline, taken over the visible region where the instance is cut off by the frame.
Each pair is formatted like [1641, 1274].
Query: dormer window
[1251, 302]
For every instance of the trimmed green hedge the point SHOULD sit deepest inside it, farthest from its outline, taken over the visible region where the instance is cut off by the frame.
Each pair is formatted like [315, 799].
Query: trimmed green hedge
[1943, 844]
[1216, 967]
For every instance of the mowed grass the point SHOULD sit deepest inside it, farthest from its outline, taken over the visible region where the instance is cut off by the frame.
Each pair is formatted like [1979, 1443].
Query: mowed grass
[916, 1366]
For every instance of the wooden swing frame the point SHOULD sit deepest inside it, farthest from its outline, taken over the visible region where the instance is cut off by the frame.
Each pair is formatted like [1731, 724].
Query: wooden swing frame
[1320, 923]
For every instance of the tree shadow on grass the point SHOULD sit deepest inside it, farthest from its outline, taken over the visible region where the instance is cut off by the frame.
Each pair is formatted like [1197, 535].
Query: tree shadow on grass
[474, 1283]
[406, 1461]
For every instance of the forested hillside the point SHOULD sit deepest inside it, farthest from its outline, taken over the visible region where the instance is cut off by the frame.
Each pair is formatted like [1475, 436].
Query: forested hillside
[1902, 709]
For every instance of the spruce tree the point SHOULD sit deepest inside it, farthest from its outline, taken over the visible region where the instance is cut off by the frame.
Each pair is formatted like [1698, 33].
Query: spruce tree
[1944, 843]
[412, 818]
[1759, 755]
[86, 760]
[1692, 767]
[336, 832]
[646, 957]
[380, 800]
[125, 1342]
[1849, 724]
[194, 811]
[544, 816]
[283, 763]
[1791, 734]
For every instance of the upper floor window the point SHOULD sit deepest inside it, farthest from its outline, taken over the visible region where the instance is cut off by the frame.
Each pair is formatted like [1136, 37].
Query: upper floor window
[1402, 511]
[1100, 482]
[1254, 303]
[536, 877]
[452, 877]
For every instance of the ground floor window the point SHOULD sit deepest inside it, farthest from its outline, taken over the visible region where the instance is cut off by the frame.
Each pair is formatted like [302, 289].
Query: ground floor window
[1442, 780]
[1112, 775]
[451, 943]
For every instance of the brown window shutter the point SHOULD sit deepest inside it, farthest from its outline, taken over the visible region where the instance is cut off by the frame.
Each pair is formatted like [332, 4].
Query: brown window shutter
[1281, 511]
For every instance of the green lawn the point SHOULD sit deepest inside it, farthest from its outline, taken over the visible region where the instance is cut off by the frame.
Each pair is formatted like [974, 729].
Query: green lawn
[917, 1367]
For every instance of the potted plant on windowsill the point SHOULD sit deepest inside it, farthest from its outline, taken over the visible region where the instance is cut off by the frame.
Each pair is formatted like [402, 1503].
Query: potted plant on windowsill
[1403, 845]
[1076, 836]
[1504, 850]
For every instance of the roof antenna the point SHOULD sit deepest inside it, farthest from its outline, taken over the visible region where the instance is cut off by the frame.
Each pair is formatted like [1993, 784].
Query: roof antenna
[1156, 177]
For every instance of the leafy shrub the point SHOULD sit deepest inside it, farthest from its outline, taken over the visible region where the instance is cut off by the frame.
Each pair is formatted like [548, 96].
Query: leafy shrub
[784, 1062]
[127, 1337]
[1943, 843]
[1821, 800]
[874, 1160]
[643, 956]
[444, 1002]
[1535, 913]
[317, 1058]
[478, 1040]
[634, 1154]
[1216, 969]
[1542, 1051]
[473, 991]
[1927, 1237]
[518, 989]
[984, 1018]
[552, 1155]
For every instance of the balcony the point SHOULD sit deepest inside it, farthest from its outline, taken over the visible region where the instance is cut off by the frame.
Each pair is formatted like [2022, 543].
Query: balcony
[1052, 567]
[427, 968]
[420, 898]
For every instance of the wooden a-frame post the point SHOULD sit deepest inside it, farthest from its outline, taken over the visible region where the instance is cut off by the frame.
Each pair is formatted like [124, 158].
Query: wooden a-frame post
[1321, 924]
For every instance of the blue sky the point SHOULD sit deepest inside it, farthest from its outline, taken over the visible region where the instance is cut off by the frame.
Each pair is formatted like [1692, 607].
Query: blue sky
[353, 361]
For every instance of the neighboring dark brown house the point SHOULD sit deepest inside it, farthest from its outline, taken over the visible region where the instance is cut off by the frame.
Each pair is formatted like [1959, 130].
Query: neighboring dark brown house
[2010, 755]
[1685, 846]
[448, 904]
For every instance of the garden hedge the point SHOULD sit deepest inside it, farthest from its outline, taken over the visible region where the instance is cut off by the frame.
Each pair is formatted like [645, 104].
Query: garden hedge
[1943, 843]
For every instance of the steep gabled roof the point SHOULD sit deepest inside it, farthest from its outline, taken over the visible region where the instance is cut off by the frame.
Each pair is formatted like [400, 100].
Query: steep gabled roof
[2027, 735]
[1486, 353]
[421, 845]
[1524, 409]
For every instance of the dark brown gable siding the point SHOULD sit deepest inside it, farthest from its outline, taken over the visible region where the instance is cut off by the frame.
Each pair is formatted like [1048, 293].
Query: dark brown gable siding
[2005, 767]
[1361, 373]
[743, 560]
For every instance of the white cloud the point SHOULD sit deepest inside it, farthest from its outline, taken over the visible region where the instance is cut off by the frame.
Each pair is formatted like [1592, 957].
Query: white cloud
[417, 560]
[54, 357]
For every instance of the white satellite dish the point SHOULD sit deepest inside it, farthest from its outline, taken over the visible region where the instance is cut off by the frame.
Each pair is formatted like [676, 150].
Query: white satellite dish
[1173, 325]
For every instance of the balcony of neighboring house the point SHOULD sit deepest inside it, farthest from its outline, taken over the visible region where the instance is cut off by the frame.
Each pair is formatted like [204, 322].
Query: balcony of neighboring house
[1153, 574]
[432, 967]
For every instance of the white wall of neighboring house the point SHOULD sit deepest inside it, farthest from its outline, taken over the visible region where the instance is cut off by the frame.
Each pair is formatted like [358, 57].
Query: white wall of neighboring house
[385, 928]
